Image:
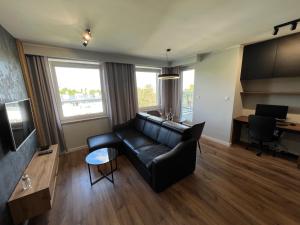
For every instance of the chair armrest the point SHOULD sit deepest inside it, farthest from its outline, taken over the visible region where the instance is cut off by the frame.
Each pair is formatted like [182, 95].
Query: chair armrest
[173, 165]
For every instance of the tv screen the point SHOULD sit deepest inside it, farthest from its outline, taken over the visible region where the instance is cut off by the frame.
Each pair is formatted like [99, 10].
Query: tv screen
[20, 122]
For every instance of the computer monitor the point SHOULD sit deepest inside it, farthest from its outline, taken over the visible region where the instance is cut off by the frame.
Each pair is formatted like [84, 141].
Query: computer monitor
[276, 111]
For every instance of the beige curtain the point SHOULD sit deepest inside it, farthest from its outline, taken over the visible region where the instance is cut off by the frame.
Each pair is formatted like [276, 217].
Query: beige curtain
[170, 93]
[121, 89]
[47, 117]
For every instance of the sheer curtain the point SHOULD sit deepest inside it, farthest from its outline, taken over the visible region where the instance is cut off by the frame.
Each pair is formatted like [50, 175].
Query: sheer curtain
[120, 82]
[47, 118]
[170, 93]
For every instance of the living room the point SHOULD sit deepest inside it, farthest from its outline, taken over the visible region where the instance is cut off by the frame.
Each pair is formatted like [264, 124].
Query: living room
[149, 112]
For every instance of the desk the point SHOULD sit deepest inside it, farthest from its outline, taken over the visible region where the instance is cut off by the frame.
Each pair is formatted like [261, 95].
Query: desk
[239, 121]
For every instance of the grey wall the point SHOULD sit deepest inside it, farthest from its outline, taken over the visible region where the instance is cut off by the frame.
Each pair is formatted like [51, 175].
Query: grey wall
[216, 77]
[12, 164]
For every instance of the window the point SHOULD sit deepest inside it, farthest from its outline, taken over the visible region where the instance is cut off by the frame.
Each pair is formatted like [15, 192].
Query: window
[188, 77]
[78, 90]
[147, 87]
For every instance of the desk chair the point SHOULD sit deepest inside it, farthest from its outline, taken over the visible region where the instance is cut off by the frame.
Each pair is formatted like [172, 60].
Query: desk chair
[197, 132]
[261, 129]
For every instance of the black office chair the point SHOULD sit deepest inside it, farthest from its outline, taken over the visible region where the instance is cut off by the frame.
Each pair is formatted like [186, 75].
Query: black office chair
[197, 132]
[154, 113]
[261, 129]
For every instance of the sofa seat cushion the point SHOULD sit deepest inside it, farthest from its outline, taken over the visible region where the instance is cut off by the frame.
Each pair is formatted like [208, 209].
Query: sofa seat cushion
[103, 140]
[127, 133]
[148, 153]
[138, 141]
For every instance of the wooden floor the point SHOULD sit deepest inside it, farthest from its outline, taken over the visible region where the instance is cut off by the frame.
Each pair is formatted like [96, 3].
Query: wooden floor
[230, 186]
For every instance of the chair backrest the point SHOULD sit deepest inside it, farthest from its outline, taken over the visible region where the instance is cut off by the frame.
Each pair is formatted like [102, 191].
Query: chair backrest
[197, 130]
[154, 113]
[261, 128]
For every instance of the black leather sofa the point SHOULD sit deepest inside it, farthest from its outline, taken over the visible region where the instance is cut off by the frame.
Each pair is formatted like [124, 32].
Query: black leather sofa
[162, 151]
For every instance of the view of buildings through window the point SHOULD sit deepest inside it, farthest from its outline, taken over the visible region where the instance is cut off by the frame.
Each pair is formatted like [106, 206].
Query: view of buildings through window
[79, 90]
[147, 88]
[188, 79]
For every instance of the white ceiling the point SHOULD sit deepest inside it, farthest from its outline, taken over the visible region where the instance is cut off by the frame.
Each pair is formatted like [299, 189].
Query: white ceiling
[146, 27]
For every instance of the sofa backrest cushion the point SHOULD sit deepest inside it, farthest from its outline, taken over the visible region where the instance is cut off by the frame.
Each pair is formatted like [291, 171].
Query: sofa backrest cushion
[152, 127]
[139, 121]
[139, 124]
[172, 133]
[169, 137]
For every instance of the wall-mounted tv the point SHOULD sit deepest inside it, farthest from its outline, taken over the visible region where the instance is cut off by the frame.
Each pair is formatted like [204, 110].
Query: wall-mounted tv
[18, 121]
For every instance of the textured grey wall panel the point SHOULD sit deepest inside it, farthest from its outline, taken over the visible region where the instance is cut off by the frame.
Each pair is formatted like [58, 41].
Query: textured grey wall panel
[12, 88]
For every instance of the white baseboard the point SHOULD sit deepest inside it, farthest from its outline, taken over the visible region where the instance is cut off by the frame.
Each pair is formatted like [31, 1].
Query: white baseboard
[228, 144]
[79, 148]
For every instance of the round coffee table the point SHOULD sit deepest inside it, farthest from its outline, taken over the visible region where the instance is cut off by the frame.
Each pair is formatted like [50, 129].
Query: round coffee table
[100, 157]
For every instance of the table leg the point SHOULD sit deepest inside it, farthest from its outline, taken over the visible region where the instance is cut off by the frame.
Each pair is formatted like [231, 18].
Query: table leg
[90, 175]
[116, 162]
[236, 133]
[112, 171]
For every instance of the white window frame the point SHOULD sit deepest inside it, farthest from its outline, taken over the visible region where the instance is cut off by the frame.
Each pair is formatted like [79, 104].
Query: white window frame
[76, 64]
[187, 68]
[157, 71]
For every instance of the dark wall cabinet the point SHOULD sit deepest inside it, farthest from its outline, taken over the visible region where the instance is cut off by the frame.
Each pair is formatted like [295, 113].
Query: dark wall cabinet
[288, 57]
[274, 58]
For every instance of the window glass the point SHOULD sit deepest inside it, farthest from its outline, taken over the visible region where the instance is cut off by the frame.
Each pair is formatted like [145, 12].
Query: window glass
[188, 78]
[79, 90]
[147, 89]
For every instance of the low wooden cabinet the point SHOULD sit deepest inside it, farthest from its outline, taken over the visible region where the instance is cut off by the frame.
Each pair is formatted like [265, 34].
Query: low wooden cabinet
[42, 171]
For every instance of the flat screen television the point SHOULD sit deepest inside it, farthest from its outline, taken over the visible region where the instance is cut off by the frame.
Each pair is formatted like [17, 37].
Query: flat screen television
[19, 123]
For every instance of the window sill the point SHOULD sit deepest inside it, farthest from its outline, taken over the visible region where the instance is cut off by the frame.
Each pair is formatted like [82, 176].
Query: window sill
[83, 119]
[149, 108]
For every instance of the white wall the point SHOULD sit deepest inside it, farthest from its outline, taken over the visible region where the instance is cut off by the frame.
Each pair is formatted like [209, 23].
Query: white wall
[216, 77]
[77, 54]
[76, 133]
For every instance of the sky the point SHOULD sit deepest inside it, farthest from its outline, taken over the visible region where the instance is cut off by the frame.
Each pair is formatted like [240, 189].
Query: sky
[144, 78]
[72, 78]
[188, 78]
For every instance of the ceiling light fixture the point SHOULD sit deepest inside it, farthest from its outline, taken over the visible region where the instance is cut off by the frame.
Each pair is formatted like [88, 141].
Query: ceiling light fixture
[294, 26]
[292, 23]
[167, 75]
[87, 36]
[275, 32]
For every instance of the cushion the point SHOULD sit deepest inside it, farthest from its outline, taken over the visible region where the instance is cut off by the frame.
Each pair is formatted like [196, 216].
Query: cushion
[169, 137]
[137, 142]
[127, 132]
[147, 155]
[103, 140]
[139, 124]
[151, 130]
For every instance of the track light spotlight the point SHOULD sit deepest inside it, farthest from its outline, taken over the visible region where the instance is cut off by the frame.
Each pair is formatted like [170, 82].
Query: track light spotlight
[292, 23]
[294, 26]
[87, 36]
[275, 32]
[85, 43]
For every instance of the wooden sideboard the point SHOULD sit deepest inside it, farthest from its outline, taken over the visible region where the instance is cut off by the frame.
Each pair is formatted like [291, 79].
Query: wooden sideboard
[42, 171]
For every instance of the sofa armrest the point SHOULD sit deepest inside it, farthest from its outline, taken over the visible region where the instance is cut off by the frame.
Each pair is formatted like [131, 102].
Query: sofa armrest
[123, 125]
[168, 168]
